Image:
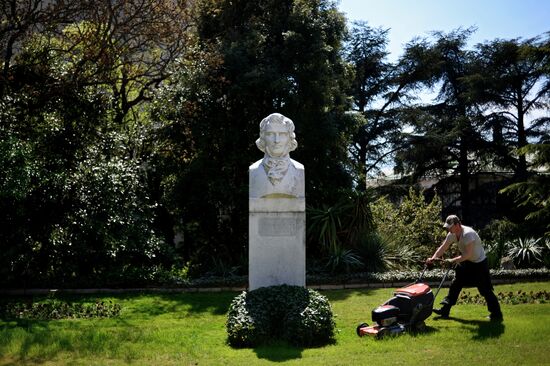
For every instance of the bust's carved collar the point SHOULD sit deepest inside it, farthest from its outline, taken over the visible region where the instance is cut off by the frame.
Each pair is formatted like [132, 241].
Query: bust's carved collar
[275, 168]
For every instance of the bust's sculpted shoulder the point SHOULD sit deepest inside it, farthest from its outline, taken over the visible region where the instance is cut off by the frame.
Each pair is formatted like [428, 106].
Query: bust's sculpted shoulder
[276, 175]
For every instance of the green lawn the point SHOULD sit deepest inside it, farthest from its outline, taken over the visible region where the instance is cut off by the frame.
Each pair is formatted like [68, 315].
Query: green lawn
[188, 329]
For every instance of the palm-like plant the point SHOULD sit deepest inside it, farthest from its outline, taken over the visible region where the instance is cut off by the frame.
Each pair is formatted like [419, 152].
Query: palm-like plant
[341, 224]
[343, 260]
[339, 229]
[525, 252]
[372, 249]
[325, 225]
[359, 218]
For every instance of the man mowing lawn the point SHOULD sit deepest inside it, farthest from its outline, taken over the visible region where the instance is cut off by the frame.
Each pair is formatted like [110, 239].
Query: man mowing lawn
[471, 268]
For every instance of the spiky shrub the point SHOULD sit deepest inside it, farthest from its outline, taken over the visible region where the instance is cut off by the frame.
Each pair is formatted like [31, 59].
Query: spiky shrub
[373, 251]
[302, 317]
[342, 260]
[342, 224]
[525, 252]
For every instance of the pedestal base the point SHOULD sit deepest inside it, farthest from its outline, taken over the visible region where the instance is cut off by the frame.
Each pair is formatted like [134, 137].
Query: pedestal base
[277, 247]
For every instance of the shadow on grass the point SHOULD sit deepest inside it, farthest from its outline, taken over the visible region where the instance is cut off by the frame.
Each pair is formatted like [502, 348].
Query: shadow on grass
[278, 352]
[481, 329]
[154, 304]
[39, 341]
[426, 331]
[281, 351]
[341, 295]
[148, 303]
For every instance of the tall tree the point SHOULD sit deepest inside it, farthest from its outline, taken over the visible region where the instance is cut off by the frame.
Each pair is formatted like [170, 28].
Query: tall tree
[20, 19]
[124, 46]
[446, 138]
[366, 52]
[380, 90]
[512, 82]
[252, 58]
[534, 192]
[75, 79]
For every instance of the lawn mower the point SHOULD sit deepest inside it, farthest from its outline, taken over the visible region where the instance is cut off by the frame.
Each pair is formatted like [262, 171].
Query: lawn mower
[405, 311]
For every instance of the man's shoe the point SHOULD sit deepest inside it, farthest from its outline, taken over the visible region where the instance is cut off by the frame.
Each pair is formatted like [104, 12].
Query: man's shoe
[443, 312]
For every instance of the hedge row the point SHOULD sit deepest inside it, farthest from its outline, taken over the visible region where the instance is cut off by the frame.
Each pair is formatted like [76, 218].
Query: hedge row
[328, 279]
[58, 309]
[368, 277]
[508, 298]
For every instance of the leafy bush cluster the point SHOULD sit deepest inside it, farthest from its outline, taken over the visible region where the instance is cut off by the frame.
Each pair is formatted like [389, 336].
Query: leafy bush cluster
[357, 234]
[57, 309]
[73, 206]
[173, 279]
[300, 316]
[509, 298]
[408, 231]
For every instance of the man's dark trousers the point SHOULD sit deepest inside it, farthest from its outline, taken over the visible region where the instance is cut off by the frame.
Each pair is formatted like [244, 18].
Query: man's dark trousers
[470, 274]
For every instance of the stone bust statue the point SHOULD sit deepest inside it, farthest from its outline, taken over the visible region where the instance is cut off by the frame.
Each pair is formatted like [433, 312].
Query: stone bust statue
[276, 175]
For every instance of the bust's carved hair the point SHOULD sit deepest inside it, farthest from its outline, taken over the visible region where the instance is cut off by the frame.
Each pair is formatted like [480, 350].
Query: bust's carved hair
[278, 119]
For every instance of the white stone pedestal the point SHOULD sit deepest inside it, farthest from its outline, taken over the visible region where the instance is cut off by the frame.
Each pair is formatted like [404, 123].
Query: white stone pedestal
[277, 246]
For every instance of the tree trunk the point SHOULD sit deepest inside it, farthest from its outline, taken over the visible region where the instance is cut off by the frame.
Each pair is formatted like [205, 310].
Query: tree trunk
[521, 170]
[464, 180]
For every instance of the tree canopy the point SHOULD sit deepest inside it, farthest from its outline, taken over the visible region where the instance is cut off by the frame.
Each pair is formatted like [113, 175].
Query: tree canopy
[127, 128]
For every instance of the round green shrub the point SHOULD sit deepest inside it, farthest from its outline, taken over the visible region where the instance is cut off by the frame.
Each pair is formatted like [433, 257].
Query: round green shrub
[300, 316]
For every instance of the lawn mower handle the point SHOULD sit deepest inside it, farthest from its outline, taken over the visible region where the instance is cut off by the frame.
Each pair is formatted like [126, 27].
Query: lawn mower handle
[422, 274]
[426, 265]
[441, 283]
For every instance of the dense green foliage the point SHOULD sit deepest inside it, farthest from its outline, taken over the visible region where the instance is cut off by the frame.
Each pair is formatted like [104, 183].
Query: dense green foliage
[534, 192]
[127, 128]
[408, 232]
[302, 317]
[73, 198]
[249, 59]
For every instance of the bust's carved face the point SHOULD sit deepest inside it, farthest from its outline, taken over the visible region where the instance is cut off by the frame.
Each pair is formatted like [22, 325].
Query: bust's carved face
[277, 136]
[277, 140]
